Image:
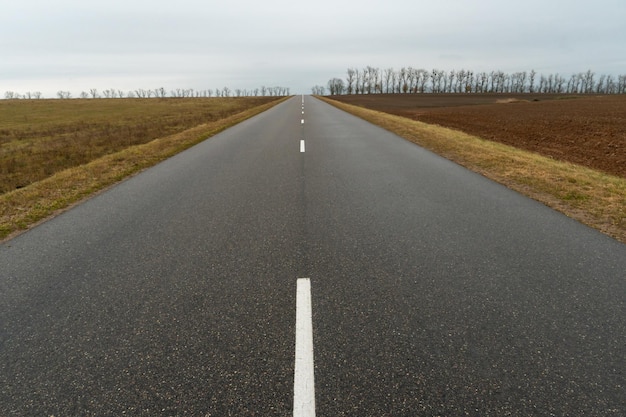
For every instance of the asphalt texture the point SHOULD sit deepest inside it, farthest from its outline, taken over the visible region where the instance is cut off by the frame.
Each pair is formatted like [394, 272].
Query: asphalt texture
[434, 290]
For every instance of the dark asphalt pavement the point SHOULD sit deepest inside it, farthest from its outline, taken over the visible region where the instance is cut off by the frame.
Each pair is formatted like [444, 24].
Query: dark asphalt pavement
[434, 290]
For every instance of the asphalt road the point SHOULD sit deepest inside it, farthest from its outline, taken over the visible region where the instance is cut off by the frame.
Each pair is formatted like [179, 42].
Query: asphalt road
[434, 290]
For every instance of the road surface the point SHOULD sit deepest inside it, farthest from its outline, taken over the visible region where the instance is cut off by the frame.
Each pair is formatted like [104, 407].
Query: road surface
[431, 290]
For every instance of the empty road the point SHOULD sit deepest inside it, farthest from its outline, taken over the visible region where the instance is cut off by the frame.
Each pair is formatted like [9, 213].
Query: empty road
[422, 289]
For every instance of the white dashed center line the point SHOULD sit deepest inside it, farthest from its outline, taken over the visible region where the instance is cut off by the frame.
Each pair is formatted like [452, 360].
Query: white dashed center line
[304, 378]
[302, 145]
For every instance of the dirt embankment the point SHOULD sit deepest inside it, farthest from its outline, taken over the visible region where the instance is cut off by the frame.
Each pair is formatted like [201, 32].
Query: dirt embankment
[586, 130]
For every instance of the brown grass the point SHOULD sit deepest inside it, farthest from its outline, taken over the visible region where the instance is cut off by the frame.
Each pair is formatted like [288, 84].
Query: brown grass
[63, 136]
[41, 137]
[592, 197]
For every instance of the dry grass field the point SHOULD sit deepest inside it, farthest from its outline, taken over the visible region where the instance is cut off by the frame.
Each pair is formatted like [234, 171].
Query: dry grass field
[569, 153]
[53, 153]
[41, 137]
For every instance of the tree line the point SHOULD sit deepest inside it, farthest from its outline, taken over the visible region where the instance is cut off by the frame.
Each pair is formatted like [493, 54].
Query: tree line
[157, 93]
[371, 80]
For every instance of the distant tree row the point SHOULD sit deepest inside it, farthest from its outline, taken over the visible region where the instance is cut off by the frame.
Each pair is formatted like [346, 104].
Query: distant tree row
[370, 80]
[157, 93]
[320, 90]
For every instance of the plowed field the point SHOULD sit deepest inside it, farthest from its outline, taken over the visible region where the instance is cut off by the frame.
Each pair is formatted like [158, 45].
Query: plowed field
[586, 130]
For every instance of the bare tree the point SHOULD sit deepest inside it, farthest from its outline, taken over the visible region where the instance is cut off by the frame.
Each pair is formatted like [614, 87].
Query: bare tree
[610, 85]
[423, 80]
[436, 78]
[558, 83]
[448, 81]
[572, 84]
[318, 90]
[531, 78]
[481, 82]
[357, 81]
[336, 86]
[621, 84]
[599, 88]
[499, 80]
[588, 81]
[372, 79]
[388, 76]
[410, 79]
[469, 81]
[364, 79]
[400, 80]
[518, 82]
[350, 80]
[543, 81]
[461, 81]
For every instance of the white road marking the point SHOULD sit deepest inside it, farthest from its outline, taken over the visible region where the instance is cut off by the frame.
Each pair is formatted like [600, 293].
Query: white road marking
[302, 145]
[304, 378]
[302, 121]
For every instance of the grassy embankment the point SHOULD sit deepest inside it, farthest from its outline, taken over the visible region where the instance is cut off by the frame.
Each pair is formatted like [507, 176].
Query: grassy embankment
[54, 153]
[589, 196]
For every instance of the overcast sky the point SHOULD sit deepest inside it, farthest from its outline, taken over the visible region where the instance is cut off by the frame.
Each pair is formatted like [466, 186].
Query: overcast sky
[76, 45]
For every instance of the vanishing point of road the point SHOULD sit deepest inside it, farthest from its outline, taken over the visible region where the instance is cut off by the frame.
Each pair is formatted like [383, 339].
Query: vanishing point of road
[413, 287]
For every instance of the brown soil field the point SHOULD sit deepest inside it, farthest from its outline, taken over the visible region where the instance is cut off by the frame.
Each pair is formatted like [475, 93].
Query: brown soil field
[585, 130]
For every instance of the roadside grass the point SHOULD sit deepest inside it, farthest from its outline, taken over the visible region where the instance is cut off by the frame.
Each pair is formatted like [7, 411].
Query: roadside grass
[591, 197]
[59, 131]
